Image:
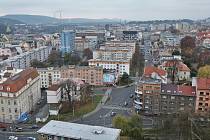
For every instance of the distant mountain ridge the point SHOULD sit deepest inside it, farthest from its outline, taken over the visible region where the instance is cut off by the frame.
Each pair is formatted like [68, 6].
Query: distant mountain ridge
[8, 21]
[38, 19]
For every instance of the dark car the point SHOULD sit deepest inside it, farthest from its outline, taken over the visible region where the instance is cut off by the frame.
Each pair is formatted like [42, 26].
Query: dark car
[131, 96]
[113, 114]
[34, 127]
[3, 125]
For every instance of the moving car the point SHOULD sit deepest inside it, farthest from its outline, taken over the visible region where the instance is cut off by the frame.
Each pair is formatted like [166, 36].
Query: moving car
[113, 114]
[13, 138]
[31, 138]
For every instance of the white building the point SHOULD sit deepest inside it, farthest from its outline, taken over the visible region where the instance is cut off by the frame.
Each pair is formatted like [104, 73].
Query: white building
[64, 130]
[120, 66]
[49, 76]
[54, 99]
[19, 93]
[23, 60]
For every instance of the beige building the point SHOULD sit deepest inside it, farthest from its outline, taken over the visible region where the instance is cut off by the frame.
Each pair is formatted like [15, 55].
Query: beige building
[19, 92]
[93, 75]
[202, 95]
[49, 76]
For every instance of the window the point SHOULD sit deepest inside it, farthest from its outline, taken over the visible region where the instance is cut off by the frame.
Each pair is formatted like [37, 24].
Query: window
[10, 116]
[200, 104]
[206, 104]
[207, 93]
[9, 110]
[201, 98]
[164, 97]
[201, 93]
[15, 102]
[15, 110]
[200, 109]
[172, 97]
[2, 101]
[8, 102]
[2, 109]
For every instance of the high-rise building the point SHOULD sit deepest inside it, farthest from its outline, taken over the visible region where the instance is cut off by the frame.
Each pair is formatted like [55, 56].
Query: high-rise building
[67, 41]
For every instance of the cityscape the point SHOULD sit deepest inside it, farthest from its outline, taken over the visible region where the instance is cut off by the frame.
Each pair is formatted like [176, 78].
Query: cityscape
[88, 72]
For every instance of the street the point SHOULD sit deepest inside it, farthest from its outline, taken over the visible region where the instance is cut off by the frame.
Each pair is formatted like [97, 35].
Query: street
[116, 103]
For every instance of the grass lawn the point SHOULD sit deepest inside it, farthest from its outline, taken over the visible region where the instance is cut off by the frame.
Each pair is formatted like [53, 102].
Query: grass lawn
[78, 112]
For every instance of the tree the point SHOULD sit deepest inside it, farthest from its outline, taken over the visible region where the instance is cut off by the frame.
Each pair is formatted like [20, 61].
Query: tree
[124, 80]
[68, 88]
[37, 64]
[187, 46]
[55, 59]
[137, 62]
[85, 93]
[131, 127]
[176, 52]
[88, 54]
[204, 72]
[71, 59]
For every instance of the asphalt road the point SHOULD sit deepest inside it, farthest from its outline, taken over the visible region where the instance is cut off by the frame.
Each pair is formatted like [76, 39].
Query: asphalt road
[116, 104]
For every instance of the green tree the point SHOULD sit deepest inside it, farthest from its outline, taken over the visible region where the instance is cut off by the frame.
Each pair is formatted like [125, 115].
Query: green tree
[204, 72]
[121, 122]
[37, 64]
[55, 59]
[71, 59]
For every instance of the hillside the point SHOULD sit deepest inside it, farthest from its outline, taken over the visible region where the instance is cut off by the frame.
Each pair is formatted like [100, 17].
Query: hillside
[32, 19]
[7, 21]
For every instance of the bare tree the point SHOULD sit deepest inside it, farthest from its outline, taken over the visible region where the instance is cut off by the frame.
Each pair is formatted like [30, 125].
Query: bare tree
[69, 89]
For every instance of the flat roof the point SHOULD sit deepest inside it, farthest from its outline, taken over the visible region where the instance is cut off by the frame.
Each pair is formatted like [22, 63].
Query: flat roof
[79, 131]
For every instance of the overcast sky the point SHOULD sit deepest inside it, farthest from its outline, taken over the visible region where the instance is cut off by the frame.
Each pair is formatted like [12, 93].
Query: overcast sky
[124, 9]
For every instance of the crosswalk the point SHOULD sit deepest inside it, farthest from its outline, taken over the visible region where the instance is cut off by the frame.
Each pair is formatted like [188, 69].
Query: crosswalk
[116, 108]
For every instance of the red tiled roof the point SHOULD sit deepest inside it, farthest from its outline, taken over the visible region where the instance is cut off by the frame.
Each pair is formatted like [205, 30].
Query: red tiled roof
[176, 63]
[18, 81]
[187, 90]
[150, 69]
[203, 83]
[183, 67]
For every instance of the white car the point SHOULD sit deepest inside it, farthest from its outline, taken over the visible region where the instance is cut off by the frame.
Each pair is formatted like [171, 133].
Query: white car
[13, 138]
[31, 138]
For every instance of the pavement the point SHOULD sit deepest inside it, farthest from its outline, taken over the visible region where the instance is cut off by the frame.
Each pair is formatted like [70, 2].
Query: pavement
[118, 97]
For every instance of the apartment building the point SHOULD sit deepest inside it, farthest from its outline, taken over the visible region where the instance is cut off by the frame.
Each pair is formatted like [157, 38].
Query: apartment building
[152, 97]
[93, 75]
[202, 95]
[175, 98]
[119, 66]
[23, 60]
[147, 96]
[49, 76]
[112, 54]
[19, 92]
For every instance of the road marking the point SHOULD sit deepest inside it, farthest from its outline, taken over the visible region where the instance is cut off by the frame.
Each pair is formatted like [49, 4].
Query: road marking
[115, 107]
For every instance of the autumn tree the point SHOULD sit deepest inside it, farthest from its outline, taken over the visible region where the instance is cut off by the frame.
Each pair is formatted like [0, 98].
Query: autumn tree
[137, 62]
[204, 72]
[71, 59]
[187, 46]
[88, 54]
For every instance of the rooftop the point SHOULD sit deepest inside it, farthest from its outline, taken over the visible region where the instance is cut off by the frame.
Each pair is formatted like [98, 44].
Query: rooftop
[79, 131]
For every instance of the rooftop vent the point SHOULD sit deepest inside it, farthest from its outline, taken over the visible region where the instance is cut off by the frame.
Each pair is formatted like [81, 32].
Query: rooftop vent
[97, 132]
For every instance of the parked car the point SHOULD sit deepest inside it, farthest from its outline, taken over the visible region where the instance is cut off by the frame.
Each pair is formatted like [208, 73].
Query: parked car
[19, 129]
[38, 103]
[131, 96]
[31, 138]
[126, 103]
[113, 114]
[13, 138]
[34, 126]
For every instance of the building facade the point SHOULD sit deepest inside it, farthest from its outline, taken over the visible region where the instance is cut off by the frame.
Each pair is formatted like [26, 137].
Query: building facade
[67, 41]
[19, 93]
[49, 76]
[93, 75]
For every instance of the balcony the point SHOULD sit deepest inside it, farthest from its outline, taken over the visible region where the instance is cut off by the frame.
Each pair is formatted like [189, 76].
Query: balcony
[138, 92]
[138, 102]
